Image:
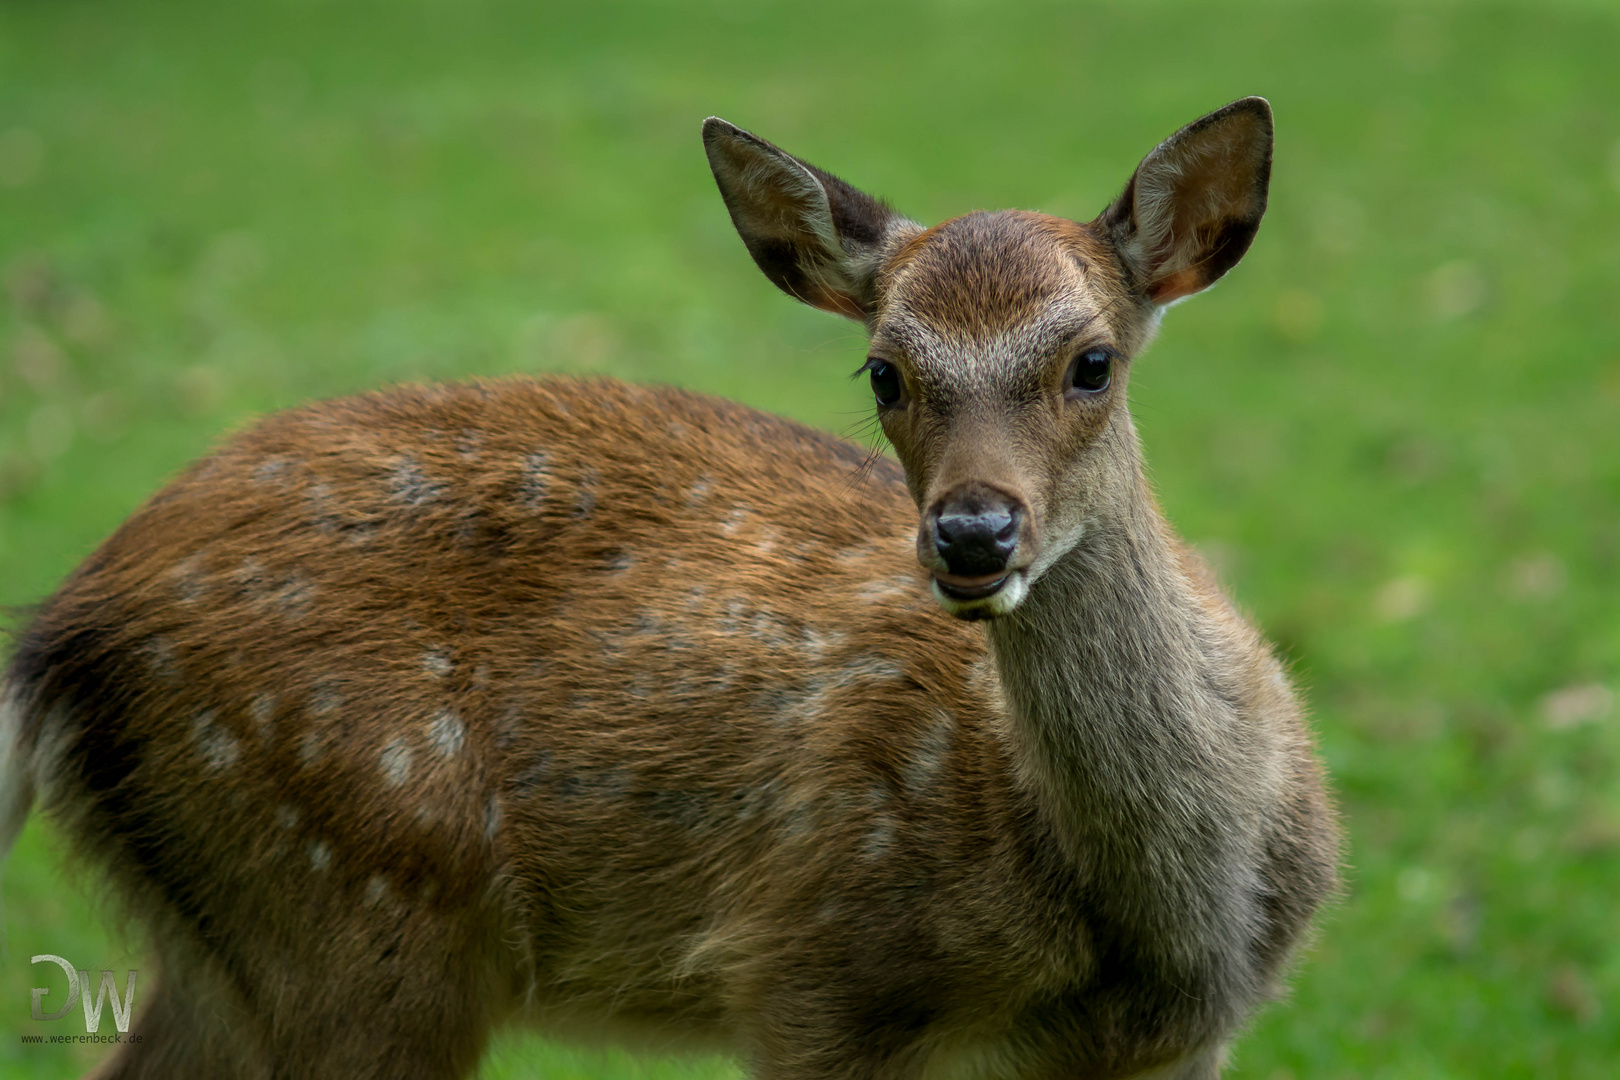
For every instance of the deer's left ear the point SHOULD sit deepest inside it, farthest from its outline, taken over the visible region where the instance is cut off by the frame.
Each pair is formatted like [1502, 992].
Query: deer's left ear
[1195, 202]
[819, 239]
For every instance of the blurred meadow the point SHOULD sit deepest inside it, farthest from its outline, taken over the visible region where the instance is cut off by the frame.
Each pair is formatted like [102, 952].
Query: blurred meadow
[1395, 428]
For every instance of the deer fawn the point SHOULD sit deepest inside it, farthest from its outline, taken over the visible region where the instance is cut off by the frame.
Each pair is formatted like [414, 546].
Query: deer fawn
[628, 712]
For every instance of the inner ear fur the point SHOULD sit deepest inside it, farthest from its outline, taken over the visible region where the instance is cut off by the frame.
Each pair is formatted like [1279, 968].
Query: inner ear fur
[819, 239]
[1193, 205]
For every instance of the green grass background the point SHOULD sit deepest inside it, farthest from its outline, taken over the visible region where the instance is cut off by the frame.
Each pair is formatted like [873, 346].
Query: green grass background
[1395, 428]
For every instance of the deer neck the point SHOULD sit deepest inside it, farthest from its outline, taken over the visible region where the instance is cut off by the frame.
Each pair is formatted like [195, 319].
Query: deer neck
[1127, 727]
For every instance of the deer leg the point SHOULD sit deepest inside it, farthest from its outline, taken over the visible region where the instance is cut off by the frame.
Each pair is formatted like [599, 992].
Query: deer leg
[416, 999]
[1203, 1065]
[826, 1032]
[190, 1025]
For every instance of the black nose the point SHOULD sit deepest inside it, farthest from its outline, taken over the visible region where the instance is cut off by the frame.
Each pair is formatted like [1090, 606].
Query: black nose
[976, 536]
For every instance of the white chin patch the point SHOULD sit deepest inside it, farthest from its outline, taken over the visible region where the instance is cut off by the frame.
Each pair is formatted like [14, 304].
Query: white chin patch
[1002, 601]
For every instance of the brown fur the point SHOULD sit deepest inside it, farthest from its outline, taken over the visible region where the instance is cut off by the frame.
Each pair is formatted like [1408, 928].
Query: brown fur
[627, 711]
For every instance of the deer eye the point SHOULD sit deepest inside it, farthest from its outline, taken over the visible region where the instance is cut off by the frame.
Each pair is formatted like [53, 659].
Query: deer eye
[885, 382]
[1090, 373]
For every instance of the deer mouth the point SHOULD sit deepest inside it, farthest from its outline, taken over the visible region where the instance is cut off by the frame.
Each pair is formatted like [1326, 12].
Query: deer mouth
[987, 597]
[970, 588]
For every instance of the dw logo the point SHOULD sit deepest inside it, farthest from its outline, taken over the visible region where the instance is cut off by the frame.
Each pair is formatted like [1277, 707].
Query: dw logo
[78, 988]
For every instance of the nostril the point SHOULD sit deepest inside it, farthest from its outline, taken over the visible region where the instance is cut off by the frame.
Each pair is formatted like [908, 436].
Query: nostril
[956, 528]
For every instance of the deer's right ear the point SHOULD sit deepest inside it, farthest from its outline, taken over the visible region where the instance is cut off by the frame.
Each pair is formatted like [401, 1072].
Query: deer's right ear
[820, 240]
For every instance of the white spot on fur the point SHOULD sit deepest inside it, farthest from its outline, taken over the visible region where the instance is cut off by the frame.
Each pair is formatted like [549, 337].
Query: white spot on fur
[879, 840]
[700, 491]
[731, 620]
[292, 594]
[930, 756]
[874, 668]
[320, 855]
[287, 816]
[536, 478]
[762, 797]
[161, 659]
[437, 662]
[769, 628]
[830, 911]
[309, 747]
[859, 554]
[818, 642]
[887, 590]
[248, 575]
[585, 497]
[318, 494]
[287, 594]
[272, 471]
[447, 733]
[492, 817]
[799, 818]
[325, 700]
[190, 579]
[263, 709]
[376, 890]
[410, 485]
[733, 522]
[396, 763]
[216, 744]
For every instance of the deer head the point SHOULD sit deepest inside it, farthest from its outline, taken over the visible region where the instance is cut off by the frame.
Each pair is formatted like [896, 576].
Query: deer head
[1001, 343]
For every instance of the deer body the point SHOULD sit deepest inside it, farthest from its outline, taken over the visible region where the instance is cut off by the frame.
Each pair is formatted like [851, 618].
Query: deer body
[625, 710]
